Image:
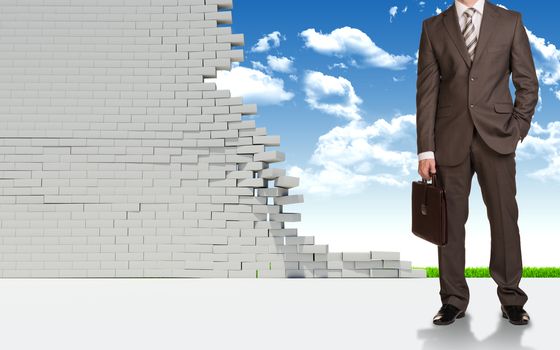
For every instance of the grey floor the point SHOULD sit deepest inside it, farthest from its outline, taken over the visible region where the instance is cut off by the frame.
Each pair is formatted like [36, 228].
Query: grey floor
[264, 314]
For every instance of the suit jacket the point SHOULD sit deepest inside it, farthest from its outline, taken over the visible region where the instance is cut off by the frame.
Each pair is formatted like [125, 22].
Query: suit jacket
[454, 96]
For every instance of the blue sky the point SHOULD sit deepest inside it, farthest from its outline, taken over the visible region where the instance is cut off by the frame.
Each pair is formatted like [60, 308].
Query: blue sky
[337, 83]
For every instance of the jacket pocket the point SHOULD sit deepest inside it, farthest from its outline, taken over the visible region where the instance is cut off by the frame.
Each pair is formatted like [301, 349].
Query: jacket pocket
[503, 107]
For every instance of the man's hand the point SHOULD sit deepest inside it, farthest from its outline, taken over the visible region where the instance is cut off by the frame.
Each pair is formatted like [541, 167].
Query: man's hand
[427, 167]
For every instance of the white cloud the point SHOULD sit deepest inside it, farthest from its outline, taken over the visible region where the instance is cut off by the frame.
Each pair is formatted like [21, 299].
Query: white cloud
[392, 13]
[539, 101]
[543, 143]
[416, 57]
[340, 65]
[357, 154]
[438, 10]
[351, 157]
[319, 87]
[348, 41]
[404, 9]
[267, 41]
[253, 85]
[276, 64]
[258, 65]
[280, 64]
[549, 57]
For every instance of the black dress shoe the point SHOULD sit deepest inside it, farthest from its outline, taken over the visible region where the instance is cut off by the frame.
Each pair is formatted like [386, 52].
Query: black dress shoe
[447, 314]
[515, 314]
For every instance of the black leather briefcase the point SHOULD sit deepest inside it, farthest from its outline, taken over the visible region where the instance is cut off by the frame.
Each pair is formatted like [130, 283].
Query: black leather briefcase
[429, 211]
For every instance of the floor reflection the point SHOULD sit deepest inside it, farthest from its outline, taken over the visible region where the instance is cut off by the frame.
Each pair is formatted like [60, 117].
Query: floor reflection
[458, 336]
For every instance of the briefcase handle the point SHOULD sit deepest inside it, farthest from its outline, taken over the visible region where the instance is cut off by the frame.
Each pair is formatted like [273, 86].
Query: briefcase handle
[434, 180]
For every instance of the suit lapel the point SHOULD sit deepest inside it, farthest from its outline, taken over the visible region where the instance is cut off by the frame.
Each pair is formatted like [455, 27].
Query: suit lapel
[451, 22]
[487, 29]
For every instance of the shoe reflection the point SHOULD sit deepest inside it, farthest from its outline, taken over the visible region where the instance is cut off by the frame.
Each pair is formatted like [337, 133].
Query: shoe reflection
[458, 336]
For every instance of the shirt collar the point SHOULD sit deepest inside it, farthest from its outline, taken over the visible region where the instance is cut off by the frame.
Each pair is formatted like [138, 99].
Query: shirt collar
[478, 6]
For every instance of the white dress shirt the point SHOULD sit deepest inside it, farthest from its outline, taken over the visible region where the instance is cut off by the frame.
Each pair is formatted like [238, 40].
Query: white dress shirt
[477, 19]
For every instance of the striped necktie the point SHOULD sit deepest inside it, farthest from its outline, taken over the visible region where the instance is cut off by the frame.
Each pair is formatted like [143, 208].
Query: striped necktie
[468, 32]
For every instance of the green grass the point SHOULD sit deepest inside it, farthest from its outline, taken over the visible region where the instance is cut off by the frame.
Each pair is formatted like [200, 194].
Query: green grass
[483, 272]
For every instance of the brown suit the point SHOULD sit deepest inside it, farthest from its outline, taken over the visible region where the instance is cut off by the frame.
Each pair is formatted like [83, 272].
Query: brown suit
[466, 116]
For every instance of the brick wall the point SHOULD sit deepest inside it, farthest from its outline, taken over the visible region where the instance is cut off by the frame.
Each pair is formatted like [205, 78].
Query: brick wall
[117, 159]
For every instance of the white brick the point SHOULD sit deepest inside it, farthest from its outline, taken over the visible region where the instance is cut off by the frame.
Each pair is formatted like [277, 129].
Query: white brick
[287, 181]
[384, 273]
[385, 255]
[319, 248]
[356, 256]
[355, 273]
[270, 157]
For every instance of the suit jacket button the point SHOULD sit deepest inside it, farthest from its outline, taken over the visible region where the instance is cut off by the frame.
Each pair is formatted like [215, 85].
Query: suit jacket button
[472, 106]
[473, 78]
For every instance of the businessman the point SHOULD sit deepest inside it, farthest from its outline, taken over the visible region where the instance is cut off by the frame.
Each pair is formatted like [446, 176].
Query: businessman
[466, 123]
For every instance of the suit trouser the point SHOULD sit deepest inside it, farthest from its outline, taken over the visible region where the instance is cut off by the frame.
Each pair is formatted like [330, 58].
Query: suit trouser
[496, 177]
